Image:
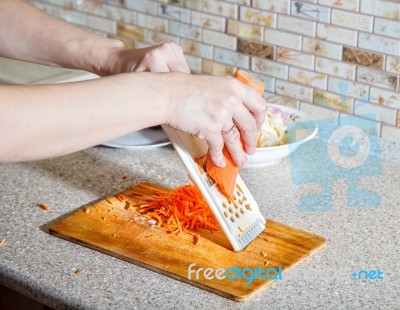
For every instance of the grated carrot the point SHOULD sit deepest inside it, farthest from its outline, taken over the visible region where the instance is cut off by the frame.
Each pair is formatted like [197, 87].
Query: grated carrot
[277, 132]
[133, 193]
[195, 239]
[182, 209]
[120, 197]
[44, 206]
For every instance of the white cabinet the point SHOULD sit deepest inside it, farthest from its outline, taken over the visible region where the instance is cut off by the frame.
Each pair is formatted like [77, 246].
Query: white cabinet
[20, 72]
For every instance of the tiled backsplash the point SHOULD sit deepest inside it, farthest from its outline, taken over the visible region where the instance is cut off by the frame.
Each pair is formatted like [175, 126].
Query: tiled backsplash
[330, 58]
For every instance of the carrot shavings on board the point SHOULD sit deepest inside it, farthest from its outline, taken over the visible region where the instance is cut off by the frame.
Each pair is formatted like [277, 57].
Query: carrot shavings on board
[134, 193]
[182, 209]
[195, 239]
[120, 197]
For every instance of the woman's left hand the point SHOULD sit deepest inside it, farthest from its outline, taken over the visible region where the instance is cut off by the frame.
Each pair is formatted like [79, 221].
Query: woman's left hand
[165, 57]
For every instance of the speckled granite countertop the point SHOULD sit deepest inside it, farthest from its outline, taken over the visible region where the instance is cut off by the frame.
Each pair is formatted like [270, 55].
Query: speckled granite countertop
[42, 267]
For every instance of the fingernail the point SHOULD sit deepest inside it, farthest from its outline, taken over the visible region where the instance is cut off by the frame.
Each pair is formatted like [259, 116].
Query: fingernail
[262, 103]
[221, 161]
[250, 150]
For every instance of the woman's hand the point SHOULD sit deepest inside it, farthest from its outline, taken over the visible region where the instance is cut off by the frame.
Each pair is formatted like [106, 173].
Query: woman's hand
[219, 110]
[165, 57]
[209, 107]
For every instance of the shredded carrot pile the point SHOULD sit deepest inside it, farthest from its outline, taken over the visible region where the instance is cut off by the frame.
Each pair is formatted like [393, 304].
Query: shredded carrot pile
[182, 209]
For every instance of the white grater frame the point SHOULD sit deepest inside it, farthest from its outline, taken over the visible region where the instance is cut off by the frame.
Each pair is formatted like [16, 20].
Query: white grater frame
[239, 239]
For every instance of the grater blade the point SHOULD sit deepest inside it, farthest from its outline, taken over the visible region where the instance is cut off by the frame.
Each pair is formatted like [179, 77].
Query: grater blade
[239, 218]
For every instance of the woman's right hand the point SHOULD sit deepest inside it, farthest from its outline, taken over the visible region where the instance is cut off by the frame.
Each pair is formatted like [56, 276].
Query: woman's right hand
[210, 106]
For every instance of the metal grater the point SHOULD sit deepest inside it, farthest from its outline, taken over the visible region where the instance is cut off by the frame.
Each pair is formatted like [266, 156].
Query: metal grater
[240, 219]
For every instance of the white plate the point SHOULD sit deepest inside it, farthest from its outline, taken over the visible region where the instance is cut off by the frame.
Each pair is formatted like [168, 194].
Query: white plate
[148, 137]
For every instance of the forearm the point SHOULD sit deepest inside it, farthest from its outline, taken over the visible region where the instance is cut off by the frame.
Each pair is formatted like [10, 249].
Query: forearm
[42, 121]
[31, 35]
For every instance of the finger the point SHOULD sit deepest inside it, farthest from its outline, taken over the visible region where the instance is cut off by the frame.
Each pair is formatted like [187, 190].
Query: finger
[255, 103]
[233, 144]
[159, 66]
[175, 58]
[252, 99]
[178, 67]
[247, 125]
[178, 63]
[259, 118]
[215, 146]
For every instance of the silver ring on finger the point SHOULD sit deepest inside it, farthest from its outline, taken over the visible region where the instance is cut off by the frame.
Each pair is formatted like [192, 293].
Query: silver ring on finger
[231, 131]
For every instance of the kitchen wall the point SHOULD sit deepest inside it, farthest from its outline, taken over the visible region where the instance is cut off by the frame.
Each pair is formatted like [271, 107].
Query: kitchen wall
[330, 58]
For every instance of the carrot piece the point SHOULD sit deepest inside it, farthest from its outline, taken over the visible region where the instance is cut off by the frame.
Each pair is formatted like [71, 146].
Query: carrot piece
[277, 132]
[225, 177]
[195, 239]
[249, 79]
[120, 197]
[44, 206]
[133, 194]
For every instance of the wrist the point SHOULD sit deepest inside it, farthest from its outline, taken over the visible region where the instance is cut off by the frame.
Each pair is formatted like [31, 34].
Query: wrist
[149, 94]
[109, 62]
[166, 97]
[175, 87]
[96, 54]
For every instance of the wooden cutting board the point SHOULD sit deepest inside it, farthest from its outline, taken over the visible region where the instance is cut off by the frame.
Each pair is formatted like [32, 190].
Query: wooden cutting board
[109, 227]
